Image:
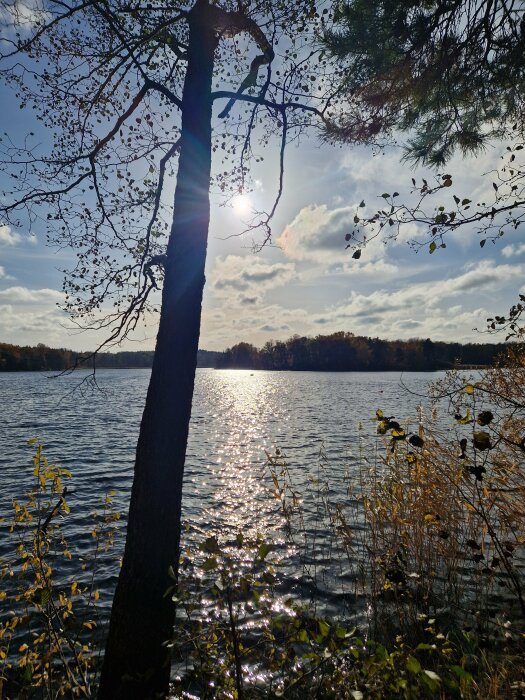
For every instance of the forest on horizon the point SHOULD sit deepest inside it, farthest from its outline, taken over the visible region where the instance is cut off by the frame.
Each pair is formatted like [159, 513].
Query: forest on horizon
[337, 352]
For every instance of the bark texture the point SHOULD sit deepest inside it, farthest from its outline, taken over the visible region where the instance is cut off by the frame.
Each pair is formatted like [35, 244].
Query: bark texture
[136, 665]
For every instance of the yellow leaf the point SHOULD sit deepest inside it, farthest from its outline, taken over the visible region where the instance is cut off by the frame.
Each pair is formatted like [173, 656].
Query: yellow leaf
[469, 389]
[22, 648]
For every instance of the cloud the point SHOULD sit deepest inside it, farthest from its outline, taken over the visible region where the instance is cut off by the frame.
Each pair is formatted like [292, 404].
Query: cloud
[23, 295]
[513, 249]
[23, 326]
[423, 308]
[317, 234]
[250, 275]
[8, 236]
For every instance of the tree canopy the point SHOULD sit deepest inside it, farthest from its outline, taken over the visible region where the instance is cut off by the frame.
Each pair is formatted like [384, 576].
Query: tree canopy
[451, 72]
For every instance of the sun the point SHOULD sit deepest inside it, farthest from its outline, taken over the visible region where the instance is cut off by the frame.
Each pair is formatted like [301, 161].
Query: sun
[242, 205]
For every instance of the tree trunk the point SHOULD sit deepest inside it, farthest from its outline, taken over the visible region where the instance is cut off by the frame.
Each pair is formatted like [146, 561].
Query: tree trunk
[136, 664]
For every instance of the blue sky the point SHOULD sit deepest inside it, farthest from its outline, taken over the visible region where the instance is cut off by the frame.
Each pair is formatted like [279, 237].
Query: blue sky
[304, 282]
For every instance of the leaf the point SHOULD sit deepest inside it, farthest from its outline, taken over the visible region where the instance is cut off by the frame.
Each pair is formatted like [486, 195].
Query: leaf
[41, 596]
[469, 389]
[481, 441]
[413, 665]
[385, 195]
[379, 414]
[356, 254]
[433, 675]
[362, 204]
[432, 247]
[485, 417]
[464, 420]
[210, 564]
[465, 201]
[264, 549]
[324, 628]
[482, 243]
[210, 546]
[416, 441]
[461, 673]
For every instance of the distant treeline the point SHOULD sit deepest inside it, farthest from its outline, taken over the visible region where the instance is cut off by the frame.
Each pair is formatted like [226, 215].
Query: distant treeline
[339, 352]
[14, 358]
[344, 352]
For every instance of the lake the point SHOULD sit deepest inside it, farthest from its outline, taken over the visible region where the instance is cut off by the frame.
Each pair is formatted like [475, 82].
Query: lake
[238, 416]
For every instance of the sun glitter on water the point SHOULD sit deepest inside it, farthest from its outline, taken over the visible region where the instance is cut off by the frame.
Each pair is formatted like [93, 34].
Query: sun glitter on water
[242, 205]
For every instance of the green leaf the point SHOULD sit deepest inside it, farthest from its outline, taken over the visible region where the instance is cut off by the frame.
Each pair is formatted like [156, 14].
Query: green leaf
[432, 247]
[356, 254]
[413, 665]
[41, 596]
[324, 628]
[264, 549]
[461, 673]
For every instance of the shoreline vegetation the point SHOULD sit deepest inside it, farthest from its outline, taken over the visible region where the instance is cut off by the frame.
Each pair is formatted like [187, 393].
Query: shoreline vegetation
[338, 352]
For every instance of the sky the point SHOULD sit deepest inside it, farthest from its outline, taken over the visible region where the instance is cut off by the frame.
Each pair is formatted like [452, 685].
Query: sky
[305, 281]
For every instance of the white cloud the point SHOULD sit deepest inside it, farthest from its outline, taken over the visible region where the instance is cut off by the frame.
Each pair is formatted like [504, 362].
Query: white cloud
[422, 309]
[8, 236]
[23, 295]
[317, 234]
[513, 249]
[29, 326]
